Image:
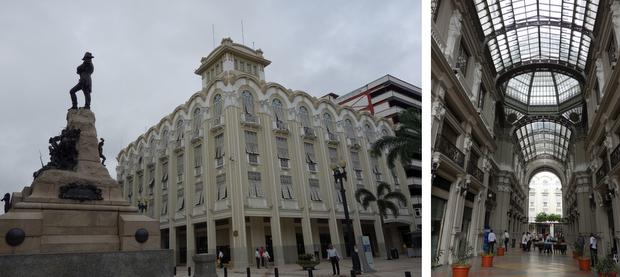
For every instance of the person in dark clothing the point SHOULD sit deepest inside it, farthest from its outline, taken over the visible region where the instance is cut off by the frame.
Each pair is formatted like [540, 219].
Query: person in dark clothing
[100, 147]
[7, 202]
[85, 83]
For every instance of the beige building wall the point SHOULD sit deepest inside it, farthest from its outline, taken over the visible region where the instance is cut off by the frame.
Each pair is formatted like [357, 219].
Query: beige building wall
[234, 185]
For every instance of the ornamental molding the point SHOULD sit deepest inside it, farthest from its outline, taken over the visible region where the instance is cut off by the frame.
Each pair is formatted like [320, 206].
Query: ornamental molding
[438, 110]
[504, 187]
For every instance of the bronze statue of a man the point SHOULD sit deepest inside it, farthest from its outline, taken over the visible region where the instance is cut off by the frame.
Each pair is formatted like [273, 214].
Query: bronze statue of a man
[85, 83]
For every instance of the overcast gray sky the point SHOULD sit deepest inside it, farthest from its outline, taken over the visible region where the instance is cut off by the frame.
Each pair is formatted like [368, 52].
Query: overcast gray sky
[146, 53]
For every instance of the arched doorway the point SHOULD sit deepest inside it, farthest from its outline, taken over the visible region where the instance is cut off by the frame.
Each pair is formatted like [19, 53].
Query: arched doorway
[545, 204]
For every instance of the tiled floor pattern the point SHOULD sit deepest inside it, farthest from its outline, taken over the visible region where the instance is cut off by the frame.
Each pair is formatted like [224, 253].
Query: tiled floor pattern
[523, 264]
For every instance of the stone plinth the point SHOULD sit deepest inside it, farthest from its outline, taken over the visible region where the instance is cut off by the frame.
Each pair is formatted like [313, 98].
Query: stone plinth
[153, 263]
[58, 225]
[205, 265]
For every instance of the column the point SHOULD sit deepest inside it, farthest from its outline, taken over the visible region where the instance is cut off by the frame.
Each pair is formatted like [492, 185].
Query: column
[276, 239]
[602, 224]
[451, 224]
[438, 111]
[380, 237]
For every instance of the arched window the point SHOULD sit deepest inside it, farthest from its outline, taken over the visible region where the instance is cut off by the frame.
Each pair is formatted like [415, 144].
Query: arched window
[197, 121]
[329, 123]
[348, 128]
[276, 105]
[370, 132]
[384, 132]
[179, 129]
[217, 105]
[248, 102]
[164, 138]
[304, 116]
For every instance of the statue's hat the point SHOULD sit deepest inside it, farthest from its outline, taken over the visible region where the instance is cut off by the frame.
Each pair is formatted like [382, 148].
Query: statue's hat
[87, 56]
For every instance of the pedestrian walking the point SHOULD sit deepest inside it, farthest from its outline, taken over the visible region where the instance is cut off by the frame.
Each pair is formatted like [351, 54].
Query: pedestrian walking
[492, 240]
[334, 258]
[593, 249]
[258, 258]
[506, 240]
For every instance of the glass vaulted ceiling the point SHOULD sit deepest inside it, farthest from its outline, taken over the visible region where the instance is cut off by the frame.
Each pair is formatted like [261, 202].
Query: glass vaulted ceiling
[522, 32]
[528, 36]
[542, 88]
[543, 139]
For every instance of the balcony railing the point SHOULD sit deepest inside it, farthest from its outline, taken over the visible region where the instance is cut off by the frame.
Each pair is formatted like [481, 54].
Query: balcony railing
[615, 156]
[217, 123]
[308, 132]
[331, 136]
[280, 126]
[601, 173]
[477, 173]
[447, 148]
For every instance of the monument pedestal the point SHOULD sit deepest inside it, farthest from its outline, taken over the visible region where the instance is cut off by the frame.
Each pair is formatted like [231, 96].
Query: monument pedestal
[77, 210]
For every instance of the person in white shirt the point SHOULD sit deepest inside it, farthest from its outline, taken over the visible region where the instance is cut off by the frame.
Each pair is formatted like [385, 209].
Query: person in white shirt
[593, 250]
[492, 240]
[506, 240]
[524, 241]
[258, 258]
[220, 257]
[334, 258]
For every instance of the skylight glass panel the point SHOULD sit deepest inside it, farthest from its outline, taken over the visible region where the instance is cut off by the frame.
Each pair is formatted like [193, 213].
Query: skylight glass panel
[542, 88]
[543, 138]
[537, 31]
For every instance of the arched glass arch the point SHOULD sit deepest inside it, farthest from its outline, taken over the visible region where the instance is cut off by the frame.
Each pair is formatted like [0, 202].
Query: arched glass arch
[524, 32]
[543, 139]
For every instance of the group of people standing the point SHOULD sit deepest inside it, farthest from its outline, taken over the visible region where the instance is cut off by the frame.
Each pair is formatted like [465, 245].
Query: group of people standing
[492, 239]
[261, 256]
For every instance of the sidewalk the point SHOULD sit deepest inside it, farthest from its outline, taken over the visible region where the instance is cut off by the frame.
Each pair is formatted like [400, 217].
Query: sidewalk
[385, 268]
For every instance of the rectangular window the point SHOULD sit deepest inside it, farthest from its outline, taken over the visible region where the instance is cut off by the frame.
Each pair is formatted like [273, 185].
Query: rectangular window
[255, 184]
[219, 150]
[375, 168]
[462, 59]
[282, 148]
[198, 195]
[333, 155]
[251, 146]
[198, 160]
[315, 190]
[180, 200]
[180, 168]
[356, 164]
[151, 178]
[220, 182]
[310, 158]
[164, 205]
[164, 176]
[286, 183]
[481, 95]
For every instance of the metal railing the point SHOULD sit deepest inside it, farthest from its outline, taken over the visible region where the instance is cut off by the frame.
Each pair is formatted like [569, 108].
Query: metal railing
[615, 156]
[447, 148]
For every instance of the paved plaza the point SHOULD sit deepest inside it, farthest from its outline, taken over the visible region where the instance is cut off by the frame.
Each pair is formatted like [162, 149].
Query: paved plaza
[518, 263]
[385, 268]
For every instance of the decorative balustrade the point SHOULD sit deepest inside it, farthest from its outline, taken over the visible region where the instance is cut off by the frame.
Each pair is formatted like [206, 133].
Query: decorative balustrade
[308, 132]
[446, 147]
[478, 174]
[601, 173]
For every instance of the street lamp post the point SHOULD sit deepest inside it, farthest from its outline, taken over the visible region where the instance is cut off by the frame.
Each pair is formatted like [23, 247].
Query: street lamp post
[339, 174]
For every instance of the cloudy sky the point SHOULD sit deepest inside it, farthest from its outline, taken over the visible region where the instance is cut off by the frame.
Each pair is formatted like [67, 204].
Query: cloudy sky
[146, 53]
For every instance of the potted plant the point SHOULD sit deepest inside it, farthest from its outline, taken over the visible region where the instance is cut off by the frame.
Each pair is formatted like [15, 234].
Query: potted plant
[487, 259]
[500, 251]
[584, 262]
[460, 260]
[606, 268]
[307, 261]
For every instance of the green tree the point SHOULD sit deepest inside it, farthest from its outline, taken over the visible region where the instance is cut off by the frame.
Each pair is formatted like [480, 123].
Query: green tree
[542, 217]
[406, 144]
[385, 200]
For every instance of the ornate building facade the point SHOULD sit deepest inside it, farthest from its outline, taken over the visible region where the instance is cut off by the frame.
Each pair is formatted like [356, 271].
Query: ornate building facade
[245, 163]
[518, 88]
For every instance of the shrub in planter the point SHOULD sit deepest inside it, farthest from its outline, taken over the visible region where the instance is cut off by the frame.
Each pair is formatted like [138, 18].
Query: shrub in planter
[500, 251]
[461, 257]
[605, 268]
[584, 263]
[307, 261]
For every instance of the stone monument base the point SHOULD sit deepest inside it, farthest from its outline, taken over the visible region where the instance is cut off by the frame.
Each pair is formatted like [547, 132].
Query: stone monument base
[151, 263]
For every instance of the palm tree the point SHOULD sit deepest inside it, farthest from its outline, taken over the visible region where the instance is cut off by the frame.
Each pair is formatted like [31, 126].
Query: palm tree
[406, 143]
[385, 201]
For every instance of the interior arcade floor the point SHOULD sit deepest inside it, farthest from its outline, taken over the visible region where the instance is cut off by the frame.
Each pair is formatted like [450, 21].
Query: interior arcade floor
[518, 263]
